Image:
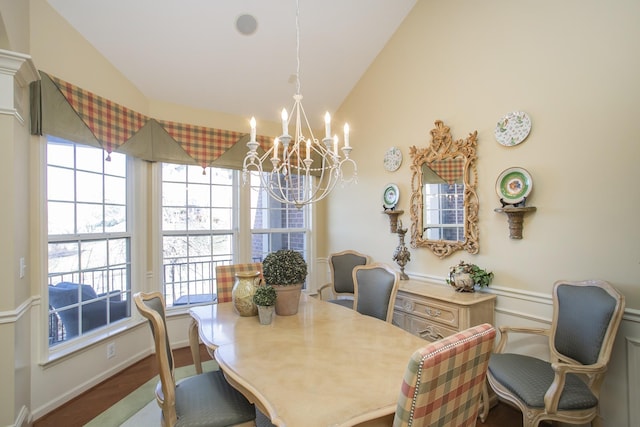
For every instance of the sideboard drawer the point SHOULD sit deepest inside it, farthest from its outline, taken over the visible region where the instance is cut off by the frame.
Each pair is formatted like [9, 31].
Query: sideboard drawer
[446, 314]
[430, 331]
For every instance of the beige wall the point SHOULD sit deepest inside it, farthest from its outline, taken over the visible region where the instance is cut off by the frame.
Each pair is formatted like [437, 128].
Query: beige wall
[572, 66]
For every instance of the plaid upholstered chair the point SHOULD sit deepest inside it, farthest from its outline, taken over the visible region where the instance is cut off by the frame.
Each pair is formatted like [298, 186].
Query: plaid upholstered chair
[341, 265]
[203, 400]
[375, 288]
[586, 316]
[226, 276]
[444, 380]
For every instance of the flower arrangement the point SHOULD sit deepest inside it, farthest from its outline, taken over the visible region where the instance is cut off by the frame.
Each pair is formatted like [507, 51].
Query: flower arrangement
[265, 295]
[284, 267]
[465, 276]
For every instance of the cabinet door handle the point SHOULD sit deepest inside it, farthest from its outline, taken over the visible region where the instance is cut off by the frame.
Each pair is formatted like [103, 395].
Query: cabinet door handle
[432, 313]
[430, 333]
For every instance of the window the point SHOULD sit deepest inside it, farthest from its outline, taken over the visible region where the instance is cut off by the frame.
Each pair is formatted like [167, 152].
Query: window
[198, 218]
[444, 212]
[275, 225]
[89, 241]
[201, 216]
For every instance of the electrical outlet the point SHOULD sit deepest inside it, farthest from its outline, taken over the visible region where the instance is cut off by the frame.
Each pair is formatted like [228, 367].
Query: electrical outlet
[111, 350]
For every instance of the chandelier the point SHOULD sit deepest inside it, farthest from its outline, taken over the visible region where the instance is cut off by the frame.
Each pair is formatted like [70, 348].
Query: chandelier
[303, 170]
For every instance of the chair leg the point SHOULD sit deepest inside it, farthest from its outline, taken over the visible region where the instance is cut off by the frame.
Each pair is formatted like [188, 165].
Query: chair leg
[194, 344]
[484, 403]
[596, 422]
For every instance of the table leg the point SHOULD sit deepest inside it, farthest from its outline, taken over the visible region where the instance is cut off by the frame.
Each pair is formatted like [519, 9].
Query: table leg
[194, 344]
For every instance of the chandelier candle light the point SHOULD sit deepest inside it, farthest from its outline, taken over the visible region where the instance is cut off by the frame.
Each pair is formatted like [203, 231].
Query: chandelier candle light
[304, 169]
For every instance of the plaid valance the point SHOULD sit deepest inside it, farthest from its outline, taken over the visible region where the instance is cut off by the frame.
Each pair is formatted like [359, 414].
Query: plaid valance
[449, 170]
[62, 109]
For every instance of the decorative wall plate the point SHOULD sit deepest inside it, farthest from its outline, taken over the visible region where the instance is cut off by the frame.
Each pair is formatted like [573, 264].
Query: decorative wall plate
[392, 159]
[513, 128]
[390, 196]
[513, 185]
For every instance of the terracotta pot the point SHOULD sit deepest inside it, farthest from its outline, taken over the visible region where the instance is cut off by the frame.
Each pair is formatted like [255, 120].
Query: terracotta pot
[288, 299]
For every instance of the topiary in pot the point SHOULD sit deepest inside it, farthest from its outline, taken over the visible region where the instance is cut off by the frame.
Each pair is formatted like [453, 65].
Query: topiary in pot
[284, 267]
[286, 271]
[265, 296]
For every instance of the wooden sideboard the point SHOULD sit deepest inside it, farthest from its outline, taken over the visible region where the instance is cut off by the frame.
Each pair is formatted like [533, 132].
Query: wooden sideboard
[432, 311]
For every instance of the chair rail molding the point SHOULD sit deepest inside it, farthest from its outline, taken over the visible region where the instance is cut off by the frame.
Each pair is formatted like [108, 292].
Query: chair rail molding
[12, 316]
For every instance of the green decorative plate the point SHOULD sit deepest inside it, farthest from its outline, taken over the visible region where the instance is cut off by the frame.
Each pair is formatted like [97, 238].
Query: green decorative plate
[390, 196]
[513, 185]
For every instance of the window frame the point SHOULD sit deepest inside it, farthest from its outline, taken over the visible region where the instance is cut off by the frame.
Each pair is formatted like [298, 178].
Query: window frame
[136, 213]
[241, 221]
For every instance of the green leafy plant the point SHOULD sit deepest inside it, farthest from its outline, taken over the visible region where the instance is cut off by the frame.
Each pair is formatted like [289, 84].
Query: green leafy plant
[265, 295]
[479, 276]
[284, 267]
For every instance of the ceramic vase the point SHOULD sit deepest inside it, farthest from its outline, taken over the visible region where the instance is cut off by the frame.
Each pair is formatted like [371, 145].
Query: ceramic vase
[242, 293]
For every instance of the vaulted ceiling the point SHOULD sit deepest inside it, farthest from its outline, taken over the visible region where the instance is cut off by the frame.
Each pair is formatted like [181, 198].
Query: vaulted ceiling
[191, 52]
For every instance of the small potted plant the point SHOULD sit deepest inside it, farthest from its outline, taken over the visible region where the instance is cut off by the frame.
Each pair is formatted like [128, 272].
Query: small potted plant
[286, 271]
[265, 298]
[464, 277]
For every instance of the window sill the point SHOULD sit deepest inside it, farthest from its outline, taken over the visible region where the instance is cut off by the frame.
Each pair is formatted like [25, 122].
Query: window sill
[65, 351]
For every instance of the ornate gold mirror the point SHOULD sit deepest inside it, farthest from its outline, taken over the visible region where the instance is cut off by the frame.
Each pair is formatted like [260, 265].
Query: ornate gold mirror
[444, 203]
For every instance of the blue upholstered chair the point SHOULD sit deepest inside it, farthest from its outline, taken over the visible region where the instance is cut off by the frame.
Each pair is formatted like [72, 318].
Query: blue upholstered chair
[586, 316]
[93, 314]
[341, 265]
[205, 400]
[375, 288]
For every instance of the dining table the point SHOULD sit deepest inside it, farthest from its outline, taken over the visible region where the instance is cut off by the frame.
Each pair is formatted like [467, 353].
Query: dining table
[327, 365]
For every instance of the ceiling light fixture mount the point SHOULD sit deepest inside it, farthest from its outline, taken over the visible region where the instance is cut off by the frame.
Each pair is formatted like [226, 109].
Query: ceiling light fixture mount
[302, 169]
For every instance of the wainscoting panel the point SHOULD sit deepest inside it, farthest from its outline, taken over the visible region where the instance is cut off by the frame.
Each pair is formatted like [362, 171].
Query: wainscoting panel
[633, 368]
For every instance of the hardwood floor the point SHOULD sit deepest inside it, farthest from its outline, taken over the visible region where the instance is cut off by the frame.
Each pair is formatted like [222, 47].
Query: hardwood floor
[88, 405]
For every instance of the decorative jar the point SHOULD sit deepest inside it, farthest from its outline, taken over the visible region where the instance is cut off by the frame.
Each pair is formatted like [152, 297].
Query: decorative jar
[242, 293]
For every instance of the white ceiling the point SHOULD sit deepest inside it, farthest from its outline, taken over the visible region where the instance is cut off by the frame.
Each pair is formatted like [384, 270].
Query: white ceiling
[189, 52]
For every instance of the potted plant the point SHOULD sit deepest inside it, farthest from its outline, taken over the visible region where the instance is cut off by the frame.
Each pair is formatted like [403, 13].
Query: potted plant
[464, 277]
[286, 271]
[265, 298]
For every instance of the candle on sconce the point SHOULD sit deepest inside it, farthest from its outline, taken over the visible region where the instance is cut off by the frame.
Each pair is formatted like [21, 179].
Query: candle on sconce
[327, 125]
[335, 144]
[252, 122]
[308, 148]
[346, 134]
[275, 147]
[285, 122]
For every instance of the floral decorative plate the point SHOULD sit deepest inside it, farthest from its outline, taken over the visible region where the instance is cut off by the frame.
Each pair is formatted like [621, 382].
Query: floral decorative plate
[513, 128]
[513, 185]
[392, 159]
[390, 196]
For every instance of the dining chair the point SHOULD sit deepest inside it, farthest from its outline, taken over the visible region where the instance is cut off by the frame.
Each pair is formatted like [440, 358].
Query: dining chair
[375, 288]
[203, 399]
[444, 380]
[586, 316]
[341, 265]
[226, 276]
